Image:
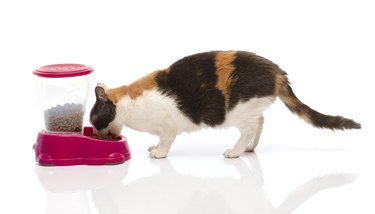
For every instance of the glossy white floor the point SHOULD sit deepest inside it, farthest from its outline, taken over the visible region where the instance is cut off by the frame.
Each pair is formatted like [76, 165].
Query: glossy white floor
[308, 171]
[326, 47]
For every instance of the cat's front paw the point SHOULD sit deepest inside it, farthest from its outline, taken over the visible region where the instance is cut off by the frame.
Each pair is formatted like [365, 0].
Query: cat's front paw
[230, 153]
[156, 153]
[152, 148]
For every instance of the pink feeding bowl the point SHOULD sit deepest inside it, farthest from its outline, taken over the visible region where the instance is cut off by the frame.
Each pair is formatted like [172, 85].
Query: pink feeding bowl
[64, 141]
[65, 149]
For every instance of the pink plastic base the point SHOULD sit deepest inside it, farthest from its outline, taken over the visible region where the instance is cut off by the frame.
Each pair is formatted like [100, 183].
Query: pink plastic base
[53, 149]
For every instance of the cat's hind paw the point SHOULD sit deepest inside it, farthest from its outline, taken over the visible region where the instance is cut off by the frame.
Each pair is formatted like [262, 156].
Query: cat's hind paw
[230, 153]
[250, 149]
[156, 153]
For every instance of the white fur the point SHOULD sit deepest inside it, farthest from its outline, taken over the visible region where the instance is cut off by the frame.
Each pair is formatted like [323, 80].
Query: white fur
[158, 114]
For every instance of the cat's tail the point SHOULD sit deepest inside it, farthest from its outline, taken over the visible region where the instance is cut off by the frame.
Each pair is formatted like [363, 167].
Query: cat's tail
[317, 119]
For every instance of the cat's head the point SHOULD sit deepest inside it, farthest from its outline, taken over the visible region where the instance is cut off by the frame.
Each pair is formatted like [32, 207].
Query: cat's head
[103, 114]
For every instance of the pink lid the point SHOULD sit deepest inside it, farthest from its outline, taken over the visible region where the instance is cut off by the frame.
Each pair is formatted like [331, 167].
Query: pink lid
[63, 70]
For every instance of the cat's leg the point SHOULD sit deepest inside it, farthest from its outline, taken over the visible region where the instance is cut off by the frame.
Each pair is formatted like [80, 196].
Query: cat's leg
[161, 150]
[241, 145]
[153, 147]
[255, 141]
[248, 132]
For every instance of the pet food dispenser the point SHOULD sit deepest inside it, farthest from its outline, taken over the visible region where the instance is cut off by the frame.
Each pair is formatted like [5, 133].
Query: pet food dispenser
[63, 90]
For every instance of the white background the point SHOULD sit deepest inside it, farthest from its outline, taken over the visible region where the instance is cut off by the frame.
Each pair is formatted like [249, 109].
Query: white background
[326, 47]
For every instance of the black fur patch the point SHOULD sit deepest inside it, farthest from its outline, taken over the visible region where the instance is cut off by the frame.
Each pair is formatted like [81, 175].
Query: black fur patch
[102, 113]
[191, 81]
[253, 76]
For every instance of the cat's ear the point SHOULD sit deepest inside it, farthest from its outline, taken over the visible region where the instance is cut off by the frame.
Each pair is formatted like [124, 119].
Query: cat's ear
[100, 90]
[102, 86]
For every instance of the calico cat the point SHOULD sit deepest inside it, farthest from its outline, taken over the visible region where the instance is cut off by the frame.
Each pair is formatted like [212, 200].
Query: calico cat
[211, 89]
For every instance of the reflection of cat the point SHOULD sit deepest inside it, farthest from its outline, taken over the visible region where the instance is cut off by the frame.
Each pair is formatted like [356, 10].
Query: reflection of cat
[217, 89]
[171, 192]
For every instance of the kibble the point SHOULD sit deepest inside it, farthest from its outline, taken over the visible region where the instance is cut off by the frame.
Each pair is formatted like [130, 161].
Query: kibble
[64, 118]
[108, 137]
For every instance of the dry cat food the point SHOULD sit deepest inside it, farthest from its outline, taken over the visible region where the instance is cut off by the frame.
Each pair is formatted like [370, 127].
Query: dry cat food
[64, 118]
[108, 137]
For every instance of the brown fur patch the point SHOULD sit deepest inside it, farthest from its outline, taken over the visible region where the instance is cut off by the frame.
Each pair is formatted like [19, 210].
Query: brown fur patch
[281, 89]
[280, 81]
[296, 106]
[224, 69]
[114, 94]
[135, 89]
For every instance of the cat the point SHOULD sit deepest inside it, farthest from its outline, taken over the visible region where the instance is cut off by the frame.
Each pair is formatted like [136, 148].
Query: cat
[211, 89]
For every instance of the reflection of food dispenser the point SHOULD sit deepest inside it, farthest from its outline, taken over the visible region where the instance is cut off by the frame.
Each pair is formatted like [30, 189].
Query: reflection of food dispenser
[63, 90]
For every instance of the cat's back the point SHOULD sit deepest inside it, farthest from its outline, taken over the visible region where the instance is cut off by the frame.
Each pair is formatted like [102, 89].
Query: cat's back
[207, 85]
[220, 69]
